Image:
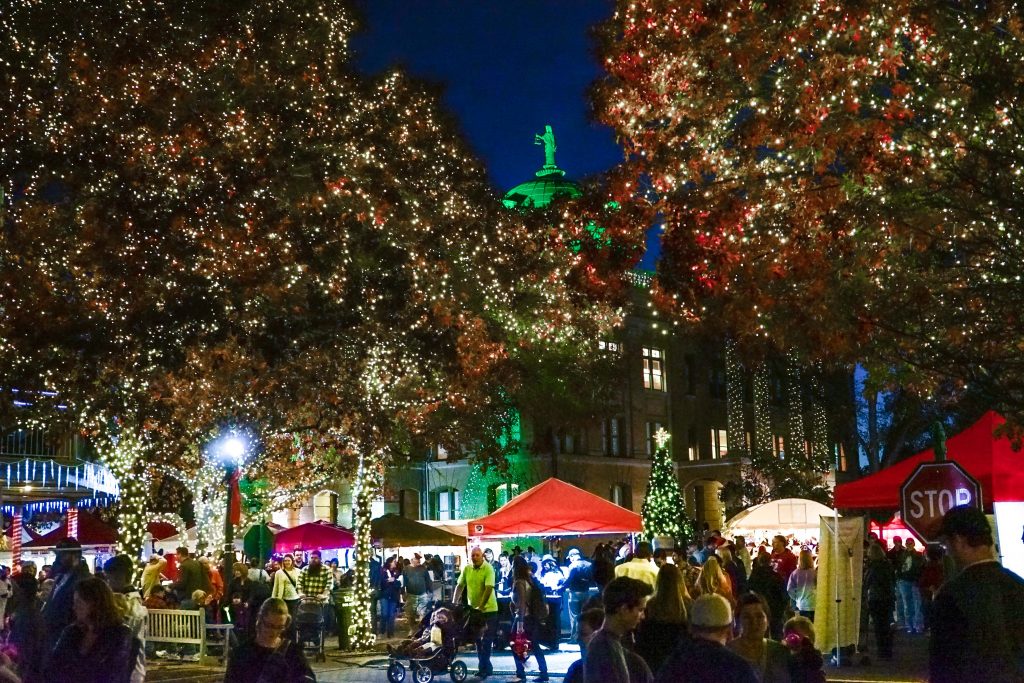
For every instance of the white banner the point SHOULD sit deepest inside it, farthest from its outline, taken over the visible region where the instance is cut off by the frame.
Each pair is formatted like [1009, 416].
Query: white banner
[840, 577]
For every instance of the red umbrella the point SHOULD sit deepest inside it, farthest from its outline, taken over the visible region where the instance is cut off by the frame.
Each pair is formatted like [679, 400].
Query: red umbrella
[313, 536]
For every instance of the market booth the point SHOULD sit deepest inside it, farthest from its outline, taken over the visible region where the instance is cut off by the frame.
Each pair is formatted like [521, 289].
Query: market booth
[330, 539]
[989, 458]
[396, 534]
[795, 517]
[98, 541]
[554, 508]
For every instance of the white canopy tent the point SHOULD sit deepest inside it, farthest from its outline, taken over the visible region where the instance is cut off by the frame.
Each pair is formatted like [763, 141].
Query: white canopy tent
[786, 516]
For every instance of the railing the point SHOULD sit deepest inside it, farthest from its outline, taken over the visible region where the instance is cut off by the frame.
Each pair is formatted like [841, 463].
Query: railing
[184, 627]
[38, 443]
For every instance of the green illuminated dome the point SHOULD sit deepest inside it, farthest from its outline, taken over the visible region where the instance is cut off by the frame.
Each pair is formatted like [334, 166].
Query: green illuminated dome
[549, 184]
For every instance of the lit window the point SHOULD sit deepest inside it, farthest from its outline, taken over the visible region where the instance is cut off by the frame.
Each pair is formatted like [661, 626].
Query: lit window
[503, 493]
[780, 447]
[842, 456]
[654, 370]
[719, 443]
[652, 429]
[446, 503]
[622, 496]
[608, 346]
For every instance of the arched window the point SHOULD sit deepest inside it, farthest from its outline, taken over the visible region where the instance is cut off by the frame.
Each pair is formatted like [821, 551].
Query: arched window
[499, 494]
[445, 503]
[325, 507]
[621, 495]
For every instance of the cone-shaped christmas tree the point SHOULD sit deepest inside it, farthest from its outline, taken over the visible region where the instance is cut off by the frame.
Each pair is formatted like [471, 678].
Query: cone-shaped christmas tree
[663, 513]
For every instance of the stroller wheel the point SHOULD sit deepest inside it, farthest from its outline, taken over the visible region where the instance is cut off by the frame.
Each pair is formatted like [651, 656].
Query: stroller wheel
[396, 672]
[423, 674]
[458, 671]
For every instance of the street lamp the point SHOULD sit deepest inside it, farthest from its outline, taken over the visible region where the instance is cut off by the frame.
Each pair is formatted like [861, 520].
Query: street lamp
[230, 452]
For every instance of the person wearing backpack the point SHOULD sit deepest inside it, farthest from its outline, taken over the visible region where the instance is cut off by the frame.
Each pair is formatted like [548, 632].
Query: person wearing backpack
[530, 610]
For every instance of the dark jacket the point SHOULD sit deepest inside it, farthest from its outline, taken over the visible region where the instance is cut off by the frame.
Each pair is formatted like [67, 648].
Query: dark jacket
[880, 582]
[253, 663]
[705, 661]
[655, 640]
[978, 627]
[57, 612]
[768, 584]
[28, 639]
[581, 576]
[191, 577]
[111, 660]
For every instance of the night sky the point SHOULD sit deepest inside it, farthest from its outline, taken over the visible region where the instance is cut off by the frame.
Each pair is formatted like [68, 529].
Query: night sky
[507, 68]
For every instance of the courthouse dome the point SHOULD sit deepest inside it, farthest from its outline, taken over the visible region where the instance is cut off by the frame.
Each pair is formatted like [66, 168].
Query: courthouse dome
[549, 184]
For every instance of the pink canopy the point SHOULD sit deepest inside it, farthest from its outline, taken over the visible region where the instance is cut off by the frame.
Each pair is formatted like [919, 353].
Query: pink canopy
[313, 536]
[554, 508]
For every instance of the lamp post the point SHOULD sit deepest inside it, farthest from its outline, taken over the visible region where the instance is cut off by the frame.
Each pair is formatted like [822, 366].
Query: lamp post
[230, 452]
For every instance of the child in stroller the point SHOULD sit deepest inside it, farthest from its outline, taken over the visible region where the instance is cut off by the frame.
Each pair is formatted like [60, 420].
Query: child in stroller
[433, 649]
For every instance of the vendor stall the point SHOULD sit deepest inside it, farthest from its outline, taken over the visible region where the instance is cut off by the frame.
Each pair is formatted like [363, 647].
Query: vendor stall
[313, 536]
[554, 508]
[98, 542]
[791, 517]
[990, 459]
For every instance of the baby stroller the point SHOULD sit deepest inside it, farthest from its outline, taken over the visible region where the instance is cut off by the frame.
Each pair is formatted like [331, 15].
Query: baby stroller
[309, 627]
[442, 660]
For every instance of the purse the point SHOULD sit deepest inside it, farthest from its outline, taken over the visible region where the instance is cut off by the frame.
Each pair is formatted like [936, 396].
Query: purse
[520, 642]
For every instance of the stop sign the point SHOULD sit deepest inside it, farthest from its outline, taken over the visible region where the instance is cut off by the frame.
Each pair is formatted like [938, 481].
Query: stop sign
[931, 490]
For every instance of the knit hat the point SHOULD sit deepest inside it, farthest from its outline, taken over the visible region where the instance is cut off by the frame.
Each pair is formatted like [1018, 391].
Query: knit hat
[710, 611]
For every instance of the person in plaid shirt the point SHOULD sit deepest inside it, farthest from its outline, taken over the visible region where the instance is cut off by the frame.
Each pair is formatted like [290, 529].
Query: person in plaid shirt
[316, 580]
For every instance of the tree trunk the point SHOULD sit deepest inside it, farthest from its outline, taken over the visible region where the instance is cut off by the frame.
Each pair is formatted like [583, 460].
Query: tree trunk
[363, 636]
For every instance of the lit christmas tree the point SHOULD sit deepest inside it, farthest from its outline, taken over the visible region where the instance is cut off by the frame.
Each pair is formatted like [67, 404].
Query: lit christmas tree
[843, 179]
[663, 511]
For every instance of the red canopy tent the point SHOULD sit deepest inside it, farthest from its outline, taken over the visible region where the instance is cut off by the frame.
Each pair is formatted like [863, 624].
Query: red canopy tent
[989, 459]
[91, 532]
[553, 508]
[313, 536]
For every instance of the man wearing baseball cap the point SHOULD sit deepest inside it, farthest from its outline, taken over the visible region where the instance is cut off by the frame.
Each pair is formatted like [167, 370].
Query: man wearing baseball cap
[977, 617]
[704, 658]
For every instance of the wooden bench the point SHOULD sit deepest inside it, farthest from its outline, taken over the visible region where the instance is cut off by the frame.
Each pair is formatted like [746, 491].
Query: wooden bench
[185, 627]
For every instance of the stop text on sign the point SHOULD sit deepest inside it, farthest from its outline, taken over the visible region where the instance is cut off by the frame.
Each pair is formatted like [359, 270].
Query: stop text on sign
[936, 502]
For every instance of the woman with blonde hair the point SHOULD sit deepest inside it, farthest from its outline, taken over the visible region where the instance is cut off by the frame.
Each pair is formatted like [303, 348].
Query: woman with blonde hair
[802, 585]
[713, 581]
[665, 622]
[734, 570]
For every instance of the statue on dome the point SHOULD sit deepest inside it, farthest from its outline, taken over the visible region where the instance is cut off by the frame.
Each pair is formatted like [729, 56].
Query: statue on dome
[548, 140]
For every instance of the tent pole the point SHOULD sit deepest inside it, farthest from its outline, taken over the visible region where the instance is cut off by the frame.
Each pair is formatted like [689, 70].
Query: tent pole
[835, 577]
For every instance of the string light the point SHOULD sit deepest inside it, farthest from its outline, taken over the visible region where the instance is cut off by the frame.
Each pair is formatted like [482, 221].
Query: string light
[837, 178]
[663, 511]
[735, 382]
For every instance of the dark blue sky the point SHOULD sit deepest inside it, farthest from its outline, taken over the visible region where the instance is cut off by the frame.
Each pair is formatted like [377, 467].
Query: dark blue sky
[508, 68]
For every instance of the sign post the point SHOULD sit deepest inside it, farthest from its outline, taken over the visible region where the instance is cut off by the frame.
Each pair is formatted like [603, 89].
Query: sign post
[930, 491]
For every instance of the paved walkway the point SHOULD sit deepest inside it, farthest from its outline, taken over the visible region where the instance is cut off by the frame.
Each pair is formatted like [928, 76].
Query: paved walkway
[908, 666]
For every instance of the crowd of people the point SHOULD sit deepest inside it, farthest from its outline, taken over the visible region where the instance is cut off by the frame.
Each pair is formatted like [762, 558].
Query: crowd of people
[728, 610]
[62, 622]
[653, 614]
[720, 610]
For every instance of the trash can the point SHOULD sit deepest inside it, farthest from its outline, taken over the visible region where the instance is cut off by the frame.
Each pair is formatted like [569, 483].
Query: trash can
[344, 603]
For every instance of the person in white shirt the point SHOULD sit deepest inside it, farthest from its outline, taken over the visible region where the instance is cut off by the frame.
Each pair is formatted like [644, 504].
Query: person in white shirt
[286, 584]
